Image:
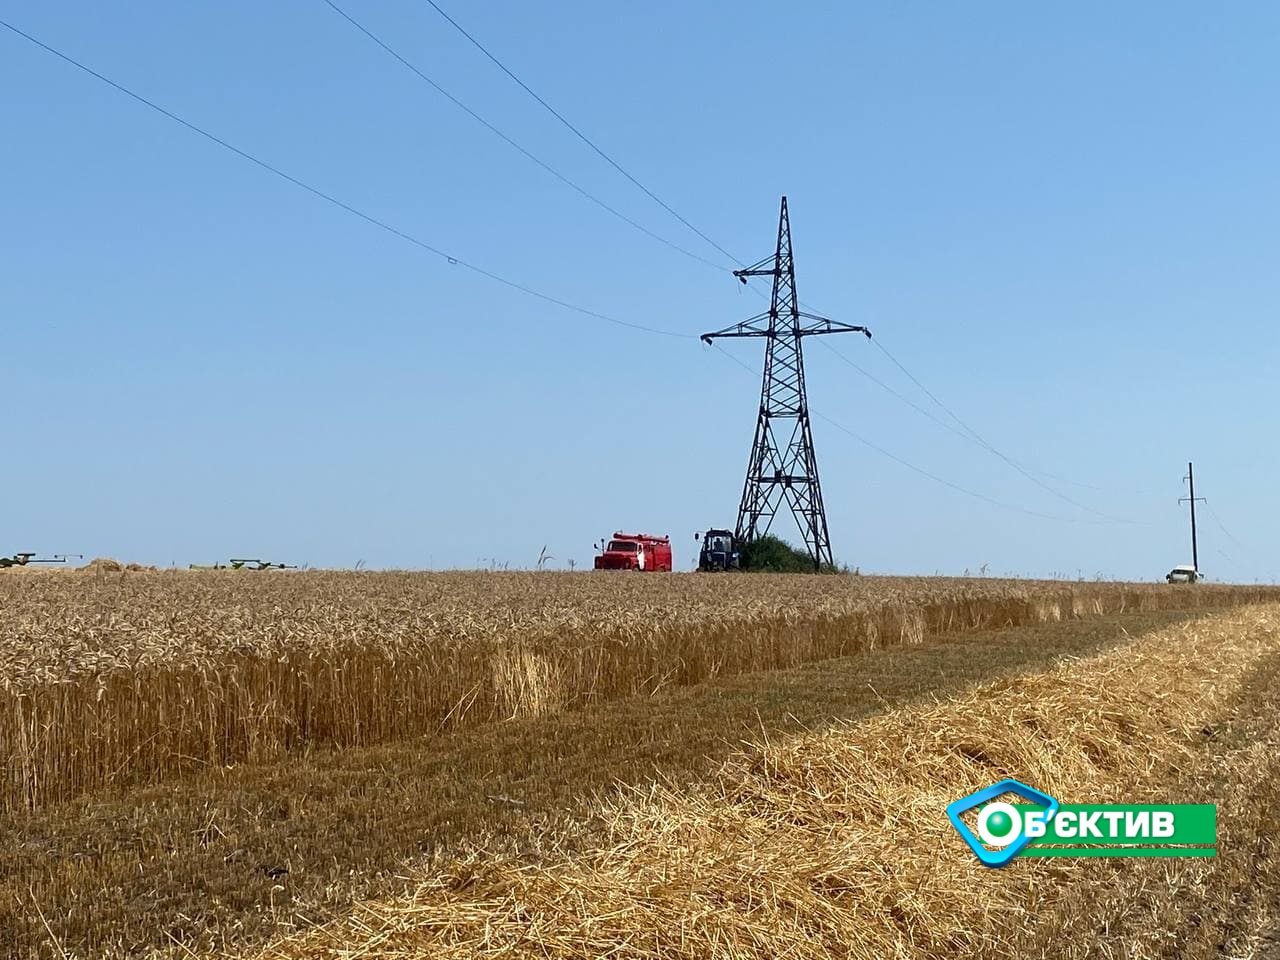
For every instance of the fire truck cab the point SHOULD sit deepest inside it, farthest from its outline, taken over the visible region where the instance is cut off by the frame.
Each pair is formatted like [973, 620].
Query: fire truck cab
[635, 551]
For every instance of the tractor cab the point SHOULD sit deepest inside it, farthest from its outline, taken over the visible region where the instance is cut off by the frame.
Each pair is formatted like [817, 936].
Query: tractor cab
[719, 550]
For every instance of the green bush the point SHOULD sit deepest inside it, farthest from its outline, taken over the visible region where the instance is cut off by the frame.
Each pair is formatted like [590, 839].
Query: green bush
[770, 554]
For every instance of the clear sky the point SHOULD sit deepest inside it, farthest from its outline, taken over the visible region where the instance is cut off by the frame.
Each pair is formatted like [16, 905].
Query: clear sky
[1062, 222]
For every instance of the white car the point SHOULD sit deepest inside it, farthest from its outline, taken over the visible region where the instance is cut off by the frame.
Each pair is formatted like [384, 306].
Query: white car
[1184, 573]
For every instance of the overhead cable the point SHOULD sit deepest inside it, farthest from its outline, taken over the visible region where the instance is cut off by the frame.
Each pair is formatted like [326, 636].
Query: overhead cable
[573, 185]
[335, 201]
[578, 133]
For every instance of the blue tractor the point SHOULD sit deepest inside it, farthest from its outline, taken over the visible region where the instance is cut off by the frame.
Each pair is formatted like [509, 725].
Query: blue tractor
[719, 551]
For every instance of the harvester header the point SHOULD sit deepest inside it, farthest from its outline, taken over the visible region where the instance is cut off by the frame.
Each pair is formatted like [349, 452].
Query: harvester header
[240, 563]
[22, 559]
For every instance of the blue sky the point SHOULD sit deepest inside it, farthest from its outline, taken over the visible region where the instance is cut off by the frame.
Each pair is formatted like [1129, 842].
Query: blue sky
[1063, 223]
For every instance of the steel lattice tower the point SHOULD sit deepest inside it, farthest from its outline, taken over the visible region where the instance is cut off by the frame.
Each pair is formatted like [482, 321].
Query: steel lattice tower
[782, 461]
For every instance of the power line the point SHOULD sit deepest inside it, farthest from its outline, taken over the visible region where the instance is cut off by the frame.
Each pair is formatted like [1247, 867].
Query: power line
[514, 144]
[981, 441]
[911, 466]
[1221, 526]
[578, 133]
[568, 305]
[905, 399]
[523, 288]
[330, 198]
[967, 436]
[965, 432]
[1247, 551]
[969, 432]
[942, 480]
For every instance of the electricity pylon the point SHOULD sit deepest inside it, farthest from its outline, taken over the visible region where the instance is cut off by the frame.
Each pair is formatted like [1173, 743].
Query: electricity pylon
[788, 469]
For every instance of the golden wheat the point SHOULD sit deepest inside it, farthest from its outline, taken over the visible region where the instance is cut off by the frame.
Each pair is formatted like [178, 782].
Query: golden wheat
[133, 676]
[835, 843]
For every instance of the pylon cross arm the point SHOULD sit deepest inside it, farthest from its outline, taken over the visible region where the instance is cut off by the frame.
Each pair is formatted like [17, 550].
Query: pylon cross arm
[758, 326]
[759, 269]
[818, 325]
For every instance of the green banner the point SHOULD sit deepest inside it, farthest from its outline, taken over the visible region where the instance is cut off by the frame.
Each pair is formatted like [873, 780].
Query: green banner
[1127, 823]
[1033, 851]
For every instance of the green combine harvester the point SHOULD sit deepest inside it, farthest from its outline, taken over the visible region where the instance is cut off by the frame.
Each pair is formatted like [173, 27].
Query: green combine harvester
[23, 559]
[242, 564]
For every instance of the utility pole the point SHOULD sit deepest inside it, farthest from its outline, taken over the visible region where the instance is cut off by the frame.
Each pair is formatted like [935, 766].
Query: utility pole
[786, 469]
[1190, 478]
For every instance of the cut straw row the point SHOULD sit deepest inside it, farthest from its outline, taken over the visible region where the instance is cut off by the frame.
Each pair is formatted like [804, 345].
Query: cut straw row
[836, 844]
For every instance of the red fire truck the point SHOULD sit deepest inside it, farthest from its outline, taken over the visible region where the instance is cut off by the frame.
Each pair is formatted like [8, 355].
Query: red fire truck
[635, 551]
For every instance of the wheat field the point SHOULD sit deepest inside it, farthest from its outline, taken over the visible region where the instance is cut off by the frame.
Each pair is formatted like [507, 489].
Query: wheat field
[834, 843]
[204, 760]
[132, 677]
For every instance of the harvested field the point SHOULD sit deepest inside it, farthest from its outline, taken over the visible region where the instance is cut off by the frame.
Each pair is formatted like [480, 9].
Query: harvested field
[190, 859]
[835, 844]
[202, 761]
[135, 677]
